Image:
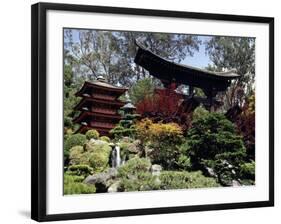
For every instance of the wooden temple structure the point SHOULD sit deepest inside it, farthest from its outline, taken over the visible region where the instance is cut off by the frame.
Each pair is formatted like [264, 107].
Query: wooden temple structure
[99, 106]
[169, 72]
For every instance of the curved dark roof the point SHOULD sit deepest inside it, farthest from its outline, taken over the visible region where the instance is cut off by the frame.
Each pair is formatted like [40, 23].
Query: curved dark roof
[101, 85]
[168, 71]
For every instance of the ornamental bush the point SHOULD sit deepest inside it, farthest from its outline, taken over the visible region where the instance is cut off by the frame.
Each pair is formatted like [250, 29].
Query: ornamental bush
[92, 134]
[80, 170]
[98, 154]
[213, 142]
[74, 185]
[247, 171]
[105, 138]
[161, 141]
[133, 166]
[76, 155]
[125, 127]
[73, 140]
[185, 180]
[95, 154]
[135, 175]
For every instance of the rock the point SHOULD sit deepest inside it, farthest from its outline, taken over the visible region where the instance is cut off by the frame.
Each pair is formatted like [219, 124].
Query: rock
[113, 187]
[101, 180]
[96, 141]
[156, 169]
[210, 172]
[235, 183]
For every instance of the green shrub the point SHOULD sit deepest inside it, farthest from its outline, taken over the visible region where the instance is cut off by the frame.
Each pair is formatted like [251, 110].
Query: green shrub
[92, 134]
[142, 181]
[80, 170]
[94, 154]
[212, 141]
[76, 154]
[126, 127]
[183, 160]
[74, 185]
[135, 175]
[134, 166]
[130, 148]
[199, 112]
[98, 155]
[247, 171]
[73, 140]
[67, 122]
[161, 141]
[185, 180]
[105, 138]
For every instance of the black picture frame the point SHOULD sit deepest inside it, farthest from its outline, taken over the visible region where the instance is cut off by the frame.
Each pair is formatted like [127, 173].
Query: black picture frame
[39, 122]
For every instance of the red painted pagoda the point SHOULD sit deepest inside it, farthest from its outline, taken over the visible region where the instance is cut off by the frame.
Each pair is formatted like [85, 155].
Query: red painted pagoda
[99, 106]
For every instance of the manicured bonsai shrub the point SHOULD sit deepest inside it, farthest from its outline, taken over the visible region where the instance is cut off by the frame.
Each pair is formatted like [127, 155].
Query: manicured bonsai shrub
[213, 142]
[161, 141]
[73, 140]
[185, 180]
[80, 170]
[133, 166]
[76, 155]
[105, 138]
[94, 154]
[125, 127]
[135, 175]
[142, 181]
[92, 134]
[98, 154]
[74, 185]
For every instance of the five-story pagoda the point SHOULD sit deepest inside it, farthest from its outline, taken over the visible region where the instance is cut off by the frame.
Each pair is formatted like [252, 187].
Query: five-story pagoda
[99, 106]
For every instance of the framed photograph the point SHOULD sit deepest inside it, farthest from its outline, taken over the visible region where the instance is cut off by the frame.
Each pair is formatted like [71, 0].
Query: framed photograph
[140, 111]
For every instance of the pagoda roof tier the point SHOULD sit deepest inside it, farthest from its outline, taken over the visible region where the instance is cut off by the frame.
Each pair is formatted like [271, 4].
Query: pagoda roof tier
[90, 86]
[88, 114]
[169, 72]
[89, 101]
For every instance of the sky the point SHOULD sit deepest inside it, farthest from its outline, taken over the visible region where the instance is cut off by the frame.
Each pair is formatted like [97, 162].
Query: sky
[200, 59]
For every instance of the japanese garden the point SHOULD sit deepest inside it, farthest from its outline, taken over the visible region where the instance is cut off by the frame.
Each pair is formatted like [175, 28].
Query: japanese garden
[157, 111]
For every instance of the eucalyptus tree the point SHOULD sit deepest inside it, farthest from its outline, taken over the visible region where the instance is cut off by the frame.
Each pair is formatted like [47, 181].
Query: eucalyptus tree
[111, 53]
[236, 53]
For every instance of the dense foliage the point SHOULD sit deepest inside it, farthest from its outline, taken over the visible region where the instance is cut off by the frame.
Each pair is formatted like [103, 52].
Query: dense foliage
[213, 142]
[160, 141]
[245, 124]
[74, 185]
[234, 53]
[95, 154]
[111, 54]
[184, 180]
[143, 89]
[125, 127]
[188, 147]
[135, 176]
[71, 141]
[92, 134]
